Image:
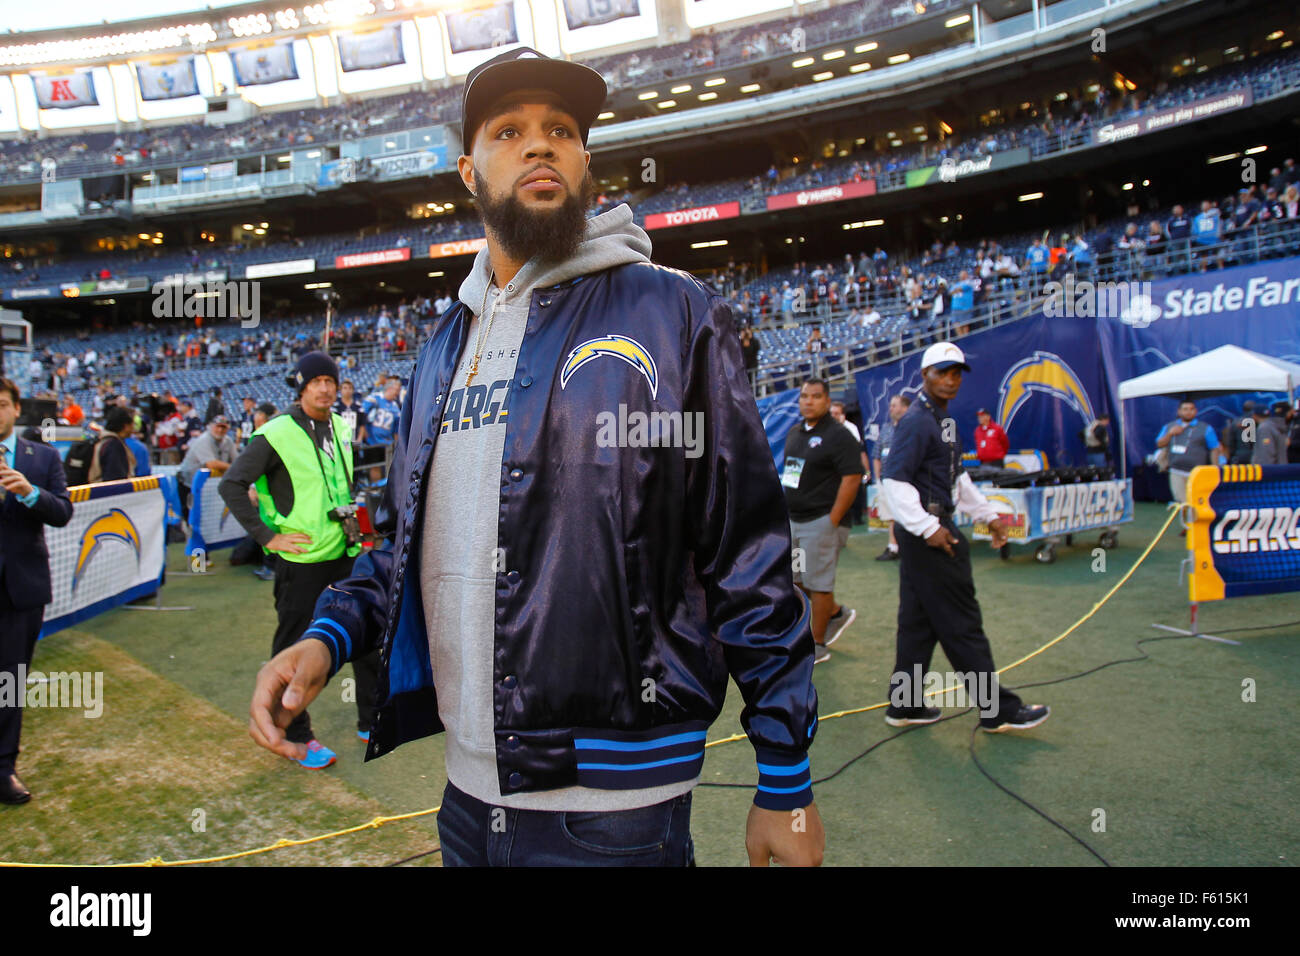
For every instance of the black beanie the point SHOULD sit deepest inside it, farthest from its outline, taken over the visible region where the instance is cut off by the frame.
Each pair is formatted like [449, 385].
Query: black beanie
[117, 419]
[309, 367]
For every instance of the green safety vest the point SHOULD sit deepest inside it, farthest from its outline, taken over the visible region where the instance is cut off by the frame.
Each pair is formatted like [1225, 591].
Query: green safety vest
[313, 498]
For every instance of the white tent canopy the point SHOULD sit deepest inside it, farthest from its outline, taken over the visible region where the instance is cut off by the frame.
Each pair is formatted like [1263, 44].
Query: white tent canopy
[1229, 368]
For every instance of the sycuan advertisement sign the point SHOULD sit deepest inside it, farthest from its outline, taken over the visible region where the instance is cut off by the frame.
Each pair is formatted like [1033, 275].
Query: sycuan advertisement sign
[1175, 116]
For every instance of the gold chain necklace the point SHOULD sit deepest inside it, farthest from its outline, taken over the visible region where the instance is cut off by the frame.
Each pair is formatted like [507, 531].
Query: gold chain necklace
[485, 325]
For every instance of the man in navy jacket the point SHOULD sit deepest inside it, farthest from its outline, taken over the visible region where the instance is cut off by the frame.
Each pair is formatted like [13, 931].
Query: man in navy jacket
[33, 494]
[585, 532]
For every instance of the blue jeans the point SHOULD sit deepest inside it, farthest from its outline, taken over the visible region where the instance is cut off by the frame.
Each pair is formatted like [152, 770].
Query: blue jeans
[474, 833]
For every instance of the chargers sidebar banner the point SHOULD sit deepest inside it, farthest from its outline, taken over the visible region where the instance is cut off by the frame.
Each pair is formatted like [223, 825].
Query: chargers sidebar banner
[1245, 535]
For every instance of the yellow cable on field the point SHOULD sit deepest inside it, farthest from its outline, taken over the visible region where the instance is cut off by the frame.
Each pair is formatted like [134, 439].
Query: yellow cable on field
[1173, 513]
[383, 821]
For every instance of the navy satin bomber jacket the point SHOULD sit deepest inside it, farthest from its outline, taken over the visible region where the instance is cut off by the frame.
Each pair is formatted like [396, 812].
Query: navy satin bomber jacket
[623, 563]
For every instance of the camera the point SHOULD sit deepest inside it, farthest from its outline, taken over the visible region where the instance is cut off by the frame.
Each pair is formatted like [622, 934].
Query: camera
[346, 515]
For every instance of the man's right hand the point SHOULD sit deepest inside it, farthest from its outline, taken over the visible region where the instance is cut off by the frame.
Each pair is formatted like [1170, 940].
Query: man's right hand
[1177, 429]
[286, 684]
[942, 538]
[295, 543]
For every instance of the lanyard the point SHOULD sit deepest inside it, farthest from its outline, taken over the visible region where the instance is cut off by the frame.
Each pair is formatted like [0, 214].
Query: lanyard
[320, 462]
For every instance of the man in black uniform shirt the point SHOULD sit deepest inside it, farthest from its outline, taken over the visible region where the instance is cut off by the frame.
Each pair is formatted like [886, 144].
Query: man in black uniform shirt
[822, 473]
[924, 482]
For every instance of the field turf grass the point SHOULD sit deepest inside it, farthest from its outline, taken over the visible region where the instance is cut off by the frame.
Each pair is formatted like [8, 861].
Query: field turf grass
[1184, 770]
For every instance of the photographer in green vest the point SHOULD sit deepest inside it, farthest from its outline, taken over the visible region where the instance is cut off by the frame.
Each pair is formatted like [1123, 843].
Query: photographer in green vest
[291, 489]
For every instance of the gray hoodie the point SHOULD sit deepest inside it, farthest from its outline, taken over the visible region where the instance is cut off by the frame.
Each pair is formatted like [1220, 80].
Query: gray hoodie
[458, 550]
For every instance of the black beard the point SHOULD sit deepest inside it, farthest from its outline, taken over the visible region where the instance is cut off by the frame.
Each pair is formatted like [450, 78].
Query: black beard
[552, 233]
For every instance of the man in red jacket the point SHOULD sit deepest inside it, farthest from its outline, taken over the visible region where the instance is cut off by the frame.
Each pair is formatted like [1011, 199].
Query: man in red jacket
[991, 443]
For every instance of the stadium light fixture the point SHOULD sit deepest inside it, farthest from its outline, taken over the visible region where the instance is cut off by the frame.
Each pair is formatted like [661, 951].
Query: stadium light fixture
[789, 240]
[1126, 187]
[1255, 149]
[859, 67]
[750, 88]
[957, 21]
[1230, 51]
[899, 58]
[248, 226]
[918, 129]
[684, 88]
[319, 285]
[1276, 35]
[704, 97]
[436, 275]
[283, 159]
[832, 55]
[431, 205]
[818, 77]
[145, 236]
[314, 154]
[666, 104]
[607, 115]
[866, 47]
[1062, 96]
[264, 225]
[716, 81]
[860, 141]
[947, 130]
[1222, 159]
[802, 62]
[1146, 182]
[259, 232]
[943, 218]
[1027, 197]
[709, 244]
[895, 142]
[647, 95]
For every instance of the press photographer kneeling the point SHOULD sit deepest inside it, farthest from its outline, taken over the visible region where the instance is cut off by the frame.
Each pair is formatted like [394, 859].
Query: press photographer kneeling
[300, 464]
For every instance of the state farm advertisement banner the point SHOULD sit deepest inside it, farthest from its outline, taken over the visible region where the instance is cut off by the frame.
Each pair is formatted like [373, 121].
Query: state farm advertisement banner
[440, 250]
[371, 258]
[811, 197]
[687, 217]
[1174, 116]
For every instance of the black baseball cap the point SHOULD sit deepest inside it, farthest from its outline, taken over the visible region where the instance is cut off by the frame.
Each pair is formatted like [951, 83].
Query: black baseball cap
[580, 87]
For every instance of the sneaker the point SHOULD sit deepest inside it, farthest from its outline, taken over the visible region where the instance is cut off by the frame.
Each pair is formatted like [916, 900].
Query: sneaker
[887, 555]
[838, 622]
[1029, 715]
[926, 715]
[265, 573]
[364, 735]
[821, 654]
[318, 756]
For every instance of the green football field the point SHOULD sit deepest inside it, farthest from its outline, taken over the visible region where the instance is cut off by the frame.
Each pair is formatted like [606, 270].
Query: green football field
[1159, 761]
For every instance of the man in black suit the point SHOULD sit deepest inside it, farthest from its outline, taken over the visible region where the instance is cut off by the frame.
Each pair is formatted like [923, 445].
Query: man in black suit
[33, 493]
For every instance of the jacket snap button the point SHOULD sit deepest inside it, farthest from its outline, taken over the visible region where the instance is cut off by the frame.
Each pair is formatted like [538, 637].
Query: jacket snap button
[512, 577]
[509, 682]
[516, 780]
[545, 302]
[512, 742]
[516, 474]
[525, 381]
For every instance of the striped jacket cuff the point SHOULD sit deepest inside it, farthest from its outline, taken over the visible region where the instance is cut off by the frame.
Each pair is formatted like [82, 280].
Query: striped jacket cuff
[784, 780]
[334, 636]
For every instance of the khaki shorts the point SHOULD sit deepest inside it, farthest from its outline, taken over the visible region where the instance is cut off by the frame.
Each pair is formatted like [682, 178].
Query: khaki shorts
[820, 543]
[1178, 485]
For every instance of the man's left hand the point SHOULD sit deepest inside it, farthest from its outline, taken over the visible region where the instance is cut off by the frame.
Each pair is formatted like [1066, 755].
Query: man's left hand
[998, 530]
[785, 837]
[13, 481]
